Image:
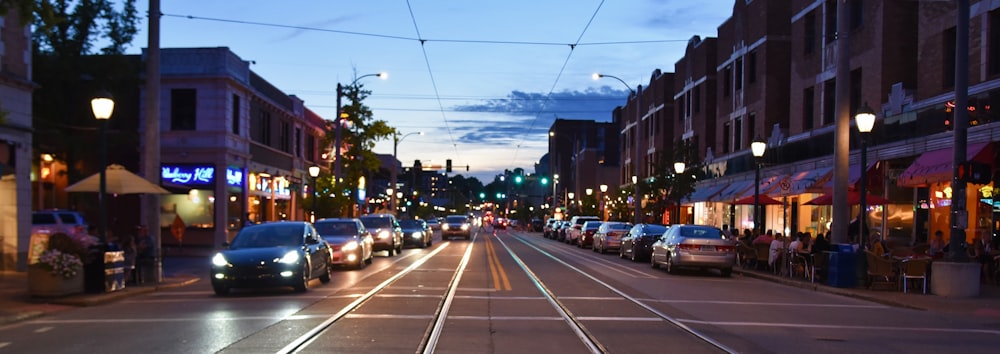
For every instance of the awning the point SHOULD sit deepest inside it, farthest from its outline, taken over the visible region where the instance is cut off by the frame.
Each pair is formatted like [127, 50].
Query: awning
[936, 166]
[702, 194]
[810, 181]
[853, 176]
[731, 192]
[768, 185]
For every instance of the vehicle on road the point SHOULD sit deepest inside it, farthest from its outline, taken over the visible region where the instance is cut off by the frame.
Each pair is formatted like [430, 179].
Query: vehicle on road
[434, 224]
[274, 254]
[587, 232]
[456, 226]
[549, 227]
[637, 244]
[350, 242]
[575, 228]
[609, 236]
[561, 231]
[386, 232]
[694, 246]
[55, 221]
[414, 233]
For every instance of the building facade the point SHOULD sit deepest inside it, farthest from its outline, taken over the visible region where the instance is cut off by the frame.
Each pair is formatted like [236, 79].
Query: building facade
[16, 156]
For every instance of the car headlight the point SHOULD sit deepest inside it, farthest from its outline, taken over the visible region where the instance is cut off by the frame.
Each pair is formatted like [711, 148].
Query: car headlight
[417, 234]
[219, 260]
[350, 246]
[444, 227]
[383, 234]
[289, 258]
[465, 227]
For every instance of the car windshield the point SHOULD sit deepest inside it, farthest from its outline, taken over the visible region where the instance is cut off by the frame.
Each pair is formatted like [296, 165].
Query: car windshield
[375, 222]
[699, 232]
[337, 228]
[410, 224]
[276, 235]
[455, 219]
[592, 225]
[653, 230]
[617, 226]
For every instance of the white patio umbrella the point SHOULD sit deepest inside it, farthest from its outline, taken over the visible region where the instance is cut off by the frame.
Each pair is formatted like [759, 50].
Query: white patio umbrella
[118, 181]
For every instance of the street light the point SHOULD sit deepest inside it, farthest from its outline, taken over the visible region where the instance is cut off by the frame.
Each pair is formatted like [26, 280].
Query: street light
[678, 169]
[604, 189]
[638, 121]
[865, 119]
[757, 147]
[340, 124]
[313, 172]
[102, 106]
[395, 174]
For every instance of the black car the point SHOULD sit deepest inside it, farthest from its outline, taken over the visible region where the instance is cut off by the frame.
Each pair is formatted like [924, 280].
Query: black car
[415, 234]
[637, 244]
[275, 254]
[456, 225]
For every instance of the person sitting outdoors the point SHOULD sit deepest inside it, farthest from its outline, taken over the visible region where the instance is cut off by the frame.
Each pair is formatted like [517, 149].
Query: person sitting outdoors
[820, 244]
[937, 245]
[878, 246]
[776, 249]
[764, 239]
[981, 253]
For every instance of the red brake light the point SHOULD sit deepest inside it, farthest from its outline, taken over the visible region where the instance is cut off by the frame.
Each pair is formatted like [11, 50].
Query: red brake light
[688, 247]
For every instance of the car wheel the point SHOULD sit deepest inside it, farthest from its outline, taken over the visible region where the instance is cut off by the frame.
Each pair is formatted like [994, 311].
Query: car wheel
[220, 289]
[726, 272]
[632, 256]
[652, 262]
[371, 258]
[430, 242]
[399, 248]
[671, 268]
[325, 278]
[303, 282]
[602, 251]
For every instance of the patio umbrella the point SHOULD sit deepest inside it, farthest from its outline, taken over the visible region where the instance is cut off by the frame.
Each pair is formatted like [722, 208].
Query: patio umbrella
[853, 198]
[764, 200]
[118, 181]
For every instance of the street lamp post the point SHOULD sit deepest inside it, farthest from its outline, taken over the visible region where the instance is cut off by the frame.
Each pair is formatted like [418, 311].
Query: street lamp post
[102, 106]
[393, 172]
[638, 123]
[865, 119]
[313, 172]
[604, 189]
[757, 147]
[340, 124]
[678, 170]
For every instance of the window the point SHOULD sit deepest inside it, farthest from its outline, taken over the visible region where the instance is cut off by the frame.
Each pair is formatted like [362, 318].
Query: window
[284, 136]
[236, 114]
[948, 50]
[298, 142]
[855, 96]
[697, 99]
[752, 125]
[727, 138]
[183, 105]
[727, 84]
[738, 134]
[829, 102]
[857, 14]
[752, 69]
[831, 21]
[264, 128]
[738, 78]
[310, 152]
[993, 44]
[809, 35]
[808, 108]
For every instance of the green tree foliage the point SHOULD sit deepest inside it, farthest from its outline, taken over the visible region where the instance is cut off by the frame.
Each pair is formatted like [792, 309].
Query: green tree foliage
[667, 187]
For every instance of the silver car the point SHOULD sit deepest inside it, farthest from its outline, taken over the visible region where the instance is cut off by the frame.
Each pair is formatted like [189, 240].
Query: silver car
[694, 246]
[609, 236]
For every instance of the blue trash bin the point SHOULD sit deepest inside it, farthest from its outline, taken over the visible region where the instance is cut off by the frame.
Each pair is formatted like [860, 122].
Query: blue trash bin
[842, 266]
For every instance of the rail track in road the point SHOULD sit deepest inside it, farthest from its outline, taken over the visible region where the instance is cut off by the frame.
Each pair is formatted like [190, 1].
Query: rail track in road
[430, 286]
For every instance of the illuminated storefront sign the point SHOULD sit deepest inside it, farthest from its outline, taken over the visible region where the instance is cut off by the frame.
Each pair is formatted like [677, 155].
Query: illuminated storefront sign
[198, 175]
[234, 177]
[264, 184]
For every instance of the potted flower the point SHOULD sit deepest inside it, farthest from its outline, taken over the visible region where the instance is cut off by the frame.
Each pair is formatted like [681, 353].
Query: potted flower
[59, 269]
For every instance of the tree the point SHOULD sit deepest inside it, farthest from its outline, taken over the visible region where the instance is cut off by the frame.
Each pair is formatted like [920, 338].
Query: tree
[668, 187]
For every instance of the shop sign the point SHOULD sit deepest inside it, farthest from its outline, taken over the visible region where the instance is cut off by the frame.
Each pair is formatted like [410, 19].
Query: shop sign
[188, 175]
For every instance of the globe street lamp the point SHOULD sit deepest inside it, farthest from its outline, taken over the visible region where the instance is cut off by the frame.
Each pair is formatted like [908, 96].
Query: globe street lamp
[393, 171]
[678, 170]
[102, 106]
[313, 172]
[865, 119]
[340, 124]
[604, 189]
[638, 121]
[757, 147]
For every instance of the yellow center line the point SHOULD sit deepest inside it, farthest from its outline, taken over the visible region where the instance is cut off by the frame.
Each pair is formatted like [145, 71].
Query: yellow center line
[499, 275]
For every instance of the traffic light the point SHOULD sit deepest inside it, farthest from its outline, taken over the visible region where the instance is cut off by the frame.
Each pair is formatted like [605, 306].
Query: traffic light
[518, 179]
[482, 195]
[447, 166]
[545, 181]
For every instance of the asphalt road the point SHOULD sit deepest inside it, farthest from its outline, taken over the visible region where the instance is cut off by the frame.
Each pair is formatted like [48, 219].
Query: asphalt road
[513, 292]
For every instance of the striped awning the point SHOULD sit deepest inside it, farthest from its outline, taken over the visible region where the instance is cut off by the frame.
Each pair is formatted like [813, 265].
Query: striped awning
[704, 193]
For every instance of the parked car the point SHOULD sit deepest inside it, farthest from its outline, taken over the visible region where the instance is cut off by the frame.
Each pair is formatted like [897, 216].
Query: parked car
[587, 231]
[562, 230]
[575, 227]
[55, 220]
[694, 246]
[414, 233]
[637, 244]
[536, 225]
[609, 236]
[350, 242]
[386, 232]
[456, 225]
[549, 227]
[434, 224]
[274, 254]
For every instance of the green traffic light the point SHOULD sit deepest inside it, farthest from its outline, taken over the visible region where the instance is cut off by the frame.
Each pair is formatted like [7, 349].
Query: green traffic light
[518, 179]
[545, 181]
[482, 195]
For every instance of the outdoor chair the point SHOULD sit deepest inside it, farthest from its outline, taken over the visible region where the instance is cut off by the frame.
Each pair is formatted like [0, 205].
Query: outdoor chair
[820, 261]
[915, 269]
[762, 251]
[797, 263]
[921, 249]
[880, 270]
[747, 256]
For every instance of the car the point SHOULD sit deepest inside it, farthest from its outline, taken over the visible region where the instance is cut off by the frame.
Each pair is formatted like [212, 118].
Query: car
[694, 246]
[350, 242]
[414, 233]
[549, 227]
[386, 232]
[434, 224]
[574, 230]
[456, 226]
[536, 225]
[273, 254]
[53, 221]
[587, 231]
[637, 244]
[500, 223]
[561, 230]
[609, 236]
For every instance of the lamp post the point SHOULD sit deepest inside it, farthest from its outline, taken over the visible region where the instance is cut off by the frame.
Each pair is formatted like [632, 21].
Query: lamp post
[393, 172]
[604, 189]
[313, 172]
[340, 124]
[102, 106]
[678, 170]
[865, 119]
[569, 202]
[757, 147]
[638, 124]
[555, 181]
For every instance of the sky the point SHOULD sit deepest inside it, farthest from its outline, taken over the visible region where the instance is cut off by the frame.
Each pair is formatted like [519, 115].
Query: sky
[483, 80]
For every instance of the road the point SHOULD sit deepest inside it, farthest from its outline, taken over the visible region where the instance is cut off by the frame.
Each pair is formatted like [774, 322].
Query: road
[510, 292]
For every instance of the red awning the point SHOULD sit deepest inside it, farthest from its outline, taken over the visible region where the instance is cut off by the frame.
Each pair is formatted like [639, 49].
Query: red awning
[763, 199]
[936, 166]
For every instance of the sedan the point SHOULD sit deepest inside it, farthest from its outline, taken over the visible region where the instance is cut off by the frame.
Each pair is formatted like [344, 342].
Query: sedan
[456, 225]
[414, 234]
[694, 246]
[275, 254]
[434, 224]
[609, 236]
[637, 244]
[350, 242]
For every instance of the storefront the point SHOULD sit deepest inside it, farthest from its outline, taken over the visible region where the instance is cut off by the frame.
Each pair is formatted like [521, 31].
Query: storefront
[189, 213]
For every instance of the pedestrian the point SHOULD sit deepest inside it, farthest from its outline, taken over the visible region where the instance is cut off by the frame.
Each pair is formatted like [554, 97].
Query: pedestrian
[937, 246]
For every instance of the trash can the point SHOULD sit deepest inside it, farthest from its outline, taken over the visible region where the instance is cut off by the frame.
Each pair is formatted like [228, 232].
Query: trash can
[842, 265]
[114, 270]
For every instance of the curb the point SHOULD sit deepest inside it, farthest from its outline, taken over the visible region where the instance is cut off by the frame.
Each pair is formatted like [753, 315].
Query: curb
[847, 292]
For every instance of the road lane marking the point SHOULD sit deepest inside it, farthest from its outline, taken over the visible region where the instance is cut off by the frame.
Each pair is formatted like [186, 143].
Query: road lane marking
[469, 297]
[4, 344]
[751, 303]
[495, 268]
[389, 316]
[43, 329]
[860, 328]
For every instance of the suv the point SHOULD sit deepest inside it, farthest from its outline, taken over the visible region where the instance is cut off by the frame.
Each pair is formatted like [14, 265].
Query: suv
[386, 232]
[575, 225]
[55, 221]
[456, 225]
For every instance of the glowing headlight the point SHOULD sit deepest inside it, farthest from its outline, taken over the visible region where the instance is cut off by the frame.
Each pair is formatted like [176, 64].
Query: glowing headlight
[383, 234]
[445, 227]
[417, 235]
[350, 246]
[219, 260]
[289, 258]
[465, 227]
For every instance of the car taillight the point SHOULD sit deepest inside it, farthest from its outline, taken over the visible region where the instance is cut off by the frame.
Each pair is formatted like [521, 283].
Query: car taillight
[725, 249]
[688, 247]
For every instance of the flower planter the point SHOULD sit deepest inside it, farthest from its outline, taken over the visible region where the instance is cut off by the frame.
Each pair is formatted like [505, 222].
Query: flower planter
[42, 283]
[953, 279]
